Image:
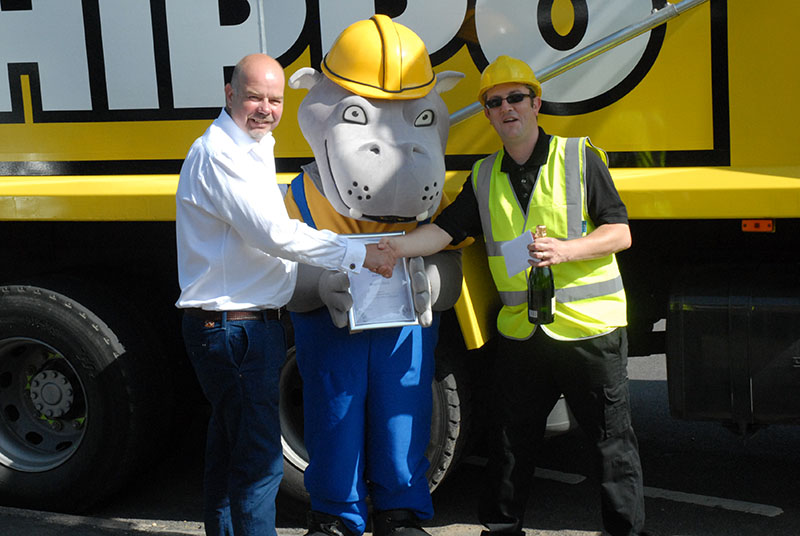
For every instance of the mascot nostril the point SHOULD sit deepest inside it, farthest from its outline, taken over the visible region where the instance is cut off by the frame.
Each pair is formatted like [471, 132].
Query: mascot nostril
[377, 126]
[359, 194]
[430, 193]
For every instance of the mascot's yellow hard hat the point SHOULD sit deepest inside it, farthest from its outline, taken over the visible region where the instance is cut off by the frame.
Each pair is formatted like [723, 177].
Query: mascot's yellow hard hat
[378, 58]
[507, 69]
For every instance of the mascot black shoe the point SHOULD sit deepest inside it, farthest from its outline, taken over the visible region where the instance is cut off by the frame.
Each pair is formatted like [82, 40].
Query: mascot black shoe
[397, 523]
[320, 524]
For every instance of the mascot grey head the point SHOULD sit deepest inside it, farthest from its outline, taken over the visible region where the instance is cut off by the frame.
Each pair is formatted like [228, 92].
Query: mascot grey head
[376, 123]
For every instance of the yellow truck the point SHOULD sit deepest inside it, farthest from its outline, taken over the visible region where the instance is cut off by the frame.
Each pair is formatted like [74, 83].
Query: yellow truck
[102, 100]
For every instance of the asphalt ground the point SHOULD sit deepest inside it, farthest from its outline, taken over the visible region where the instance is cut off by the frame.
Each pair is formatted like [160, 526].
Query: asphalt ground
[701, 480]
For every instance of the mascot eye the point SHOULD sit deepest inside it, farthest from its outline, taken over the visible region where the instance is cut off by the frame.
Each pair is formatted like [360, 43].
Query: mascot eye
[355, 114]
[425, 119]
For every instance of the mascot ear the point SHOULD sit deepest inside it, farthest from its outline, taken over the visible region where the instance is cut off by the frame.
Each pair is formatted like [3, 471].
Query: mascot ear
[447, 80]
[305, 78]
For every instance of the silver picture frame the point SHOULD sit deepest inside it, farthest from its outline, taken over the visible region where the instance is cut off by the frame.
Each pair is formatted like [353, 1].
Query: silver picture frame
[380, 302]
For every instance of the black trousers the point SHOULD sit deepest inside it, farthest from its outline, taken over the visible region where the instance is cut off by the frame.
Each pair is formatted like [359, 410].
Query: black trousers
[529, 378]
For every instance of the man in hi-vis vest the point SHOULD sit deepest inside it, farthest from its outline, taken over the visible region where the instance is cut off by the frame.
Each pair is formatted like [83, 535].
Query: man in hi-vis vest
[563, 183]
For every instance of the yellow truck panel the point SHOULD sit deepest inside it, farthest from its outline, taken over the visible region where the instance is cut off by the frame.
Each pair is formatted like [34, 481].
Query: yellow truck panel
[101, 100]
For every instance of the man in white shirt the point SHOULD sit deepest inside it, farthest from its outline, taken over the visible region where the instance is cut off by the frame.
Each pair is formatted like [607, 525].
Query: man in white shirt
[237, 266]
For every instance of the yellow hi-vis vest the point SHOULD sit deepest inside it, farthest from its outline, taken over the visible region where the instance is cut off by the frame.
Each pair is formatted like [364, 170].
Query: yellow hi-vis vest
[590, 299]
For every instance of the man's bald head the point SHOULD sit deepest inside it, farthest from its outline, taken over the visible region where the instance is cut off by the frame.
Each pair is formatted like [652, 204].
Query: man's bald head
[254, 96]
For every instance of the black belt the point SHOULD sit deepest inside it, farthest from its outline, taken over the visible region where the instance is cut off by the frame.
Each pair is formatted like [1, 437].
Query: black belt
[216, 316]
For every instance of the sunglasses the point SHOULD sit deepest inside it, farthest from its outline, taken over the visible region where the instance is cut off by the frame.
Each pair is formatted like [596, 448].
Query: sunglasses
[514, 98]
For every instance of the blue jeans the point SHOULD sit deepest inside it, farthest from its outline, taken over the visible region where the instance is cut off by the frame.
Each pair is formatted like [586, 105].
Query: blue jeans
[238, 366]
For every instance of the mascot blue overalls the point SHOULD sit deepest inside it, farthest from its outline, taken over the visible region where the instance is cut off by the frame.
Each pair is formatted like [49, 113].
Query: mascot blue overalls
[378, 129]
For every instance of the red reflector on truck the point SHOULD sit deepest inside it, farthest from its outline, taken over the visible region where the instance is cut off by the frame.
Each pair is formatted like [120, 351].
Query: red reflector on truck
[758, 226]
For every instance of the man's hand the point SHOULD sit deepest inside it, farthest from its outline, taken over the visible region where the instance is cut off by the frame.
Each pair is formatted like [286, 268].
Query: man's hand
[546, 251]
[390, 244]
[380, 261]
[606, 239]
[334, 291]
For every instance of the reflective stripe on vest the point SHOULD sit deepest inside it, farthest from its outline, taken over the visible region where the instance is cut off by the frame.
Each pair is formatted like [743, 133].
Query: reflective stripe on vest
[590, 298]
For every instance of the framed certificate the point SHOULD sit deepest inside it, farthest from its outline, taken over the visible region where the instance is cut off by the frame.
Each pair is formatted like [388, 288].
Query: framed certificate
[379, 302]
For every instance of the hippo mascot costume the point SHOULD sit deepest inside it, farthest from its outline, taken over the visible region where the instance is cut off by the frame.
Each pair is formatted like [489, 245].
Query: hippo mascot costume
[378, 129]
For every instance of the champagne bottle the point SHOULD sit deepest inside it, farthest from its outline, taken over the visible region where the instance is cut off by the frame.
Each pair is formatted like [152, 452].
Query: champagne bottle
[541, 290]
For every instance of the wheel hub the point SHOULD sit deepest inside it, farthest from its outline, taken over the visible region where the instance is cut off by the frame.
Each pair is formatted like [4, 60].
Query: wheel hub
[51, 393]
[40, 394]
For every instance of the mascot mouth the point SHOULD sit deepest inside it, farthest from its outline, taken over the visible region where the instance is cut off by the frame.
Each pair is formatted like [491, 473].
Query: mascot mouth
[390, 219]
[357, 214]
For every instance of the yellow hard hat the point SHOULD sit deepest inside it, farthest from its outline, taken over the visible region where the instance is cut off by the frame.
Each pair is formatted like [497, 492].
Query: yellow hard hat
[379, 58]
[507, 69]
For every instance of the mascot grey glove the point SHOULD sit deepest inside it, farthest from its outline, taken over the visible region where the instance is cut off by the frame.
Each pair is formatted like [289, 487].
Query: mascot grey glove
[334, 290]
[421, 290]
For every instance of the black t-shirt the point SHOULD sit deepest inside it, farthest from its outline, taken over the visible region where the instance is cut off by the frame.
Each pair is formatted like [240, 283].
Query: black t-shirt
[461, 218]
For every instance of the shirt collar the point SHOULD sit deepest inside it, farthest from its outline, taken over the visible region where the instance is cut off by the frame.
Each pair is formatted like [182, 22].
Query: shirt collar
[535, 160]
[240, 137]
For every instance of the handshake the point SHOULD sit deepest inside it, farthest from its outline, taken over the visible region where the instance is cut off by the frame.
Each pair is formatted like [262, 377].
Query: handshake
[382, 257]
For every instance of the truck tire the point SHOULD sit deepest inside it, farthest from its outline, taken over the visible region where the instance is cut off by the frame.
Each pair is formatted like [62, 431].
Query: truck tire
[449, 428]
[451, 419]
[295, 455]
[80, 400]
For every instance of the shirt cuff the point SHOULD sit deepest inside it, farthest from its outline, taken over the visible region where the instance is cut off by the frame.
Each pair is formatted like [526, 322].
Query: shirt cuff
[354, 255]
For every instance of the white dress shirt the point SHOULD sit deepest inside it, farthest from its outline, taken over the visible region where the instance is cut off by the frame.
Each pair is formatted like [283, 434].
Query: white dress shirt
[237, 247]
